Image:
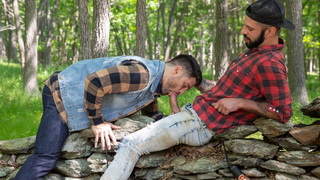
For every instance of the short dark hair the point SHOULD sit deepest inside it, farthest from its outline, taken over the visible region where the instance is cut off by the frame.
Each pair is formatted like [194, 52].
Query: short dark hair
[190, 66]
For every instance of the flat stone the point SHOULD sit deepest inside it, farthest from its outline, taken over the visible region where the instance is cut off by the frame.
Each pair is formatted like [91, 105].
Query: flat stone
[76, 146]
[300, 158]
[252, 147]
[73, 168]
[201, 165]
[316, 171]
[307, 135]
[17, 146]
[282, 167]
[253, 172]
[151, 160]
[236, 133]
[271, 127]
[285, 176]
[291, 144]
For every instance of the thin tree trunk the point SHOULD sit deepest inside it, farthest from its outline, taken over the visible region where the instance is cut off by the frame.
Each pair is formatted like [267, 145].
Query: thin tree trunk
[19, 33]
[3, 55]
[31, 66]
[221, 41]
[169, 32]
[85, 45]
[141, 32]
[156, 42]
[11, 45]
[296, 74]
[101, 28]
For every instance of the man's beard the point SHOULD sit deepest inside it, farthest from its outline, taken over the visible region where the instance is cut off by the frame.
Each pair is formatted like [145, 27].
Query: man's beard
[255, 43]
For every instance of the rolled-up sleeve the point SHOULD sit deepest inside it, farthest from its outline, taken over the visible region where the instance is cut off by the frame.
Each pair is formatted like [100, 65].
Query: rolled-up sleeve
[272, 82]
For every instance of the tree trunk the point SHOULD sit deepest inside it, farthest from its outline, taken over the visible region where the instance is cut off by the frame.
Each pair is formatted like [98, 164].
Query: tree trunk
[19, 33]
[85, 46]
[169, 32]
[141, 24]
[221, 40]
[296, 72]
[11, 45]
[31, 66]
[3, 55]
[101, 28]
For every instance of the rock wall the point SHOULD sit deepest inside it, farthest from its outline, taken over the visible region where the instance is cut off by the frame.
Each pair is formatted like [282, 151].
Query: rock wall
[284, 152]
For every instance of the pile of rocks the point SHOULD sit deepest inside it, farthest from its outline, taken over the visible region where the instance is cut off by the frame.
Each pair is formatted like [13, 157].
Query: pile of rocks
[283, 152]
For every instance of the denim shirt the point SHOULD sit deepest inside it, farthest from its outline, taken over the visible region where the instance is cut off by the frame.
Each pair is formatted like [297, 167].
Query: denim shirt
[71, 81]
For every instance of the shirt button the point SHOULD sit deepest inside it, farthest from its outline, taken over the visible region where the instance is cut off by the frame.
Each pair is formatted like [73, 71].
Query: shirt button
[277, 111]
[237, 70]
[246, 55]
[274, 109]
[270, 107]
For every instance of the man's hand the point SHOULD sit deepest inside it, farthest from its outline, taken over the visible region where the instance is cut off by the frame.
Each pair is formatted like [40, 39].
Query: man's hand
[104, 132]
[227, 105]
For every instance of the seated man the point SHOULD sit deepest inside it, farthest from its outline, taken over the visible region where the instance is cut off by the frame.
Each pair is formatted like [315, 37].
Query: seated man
[92, 93]
[254, 85]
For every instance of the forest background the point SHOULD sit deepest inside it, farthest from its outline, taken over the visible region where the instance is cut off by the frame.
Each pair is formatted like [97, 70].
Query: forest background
[38, 37]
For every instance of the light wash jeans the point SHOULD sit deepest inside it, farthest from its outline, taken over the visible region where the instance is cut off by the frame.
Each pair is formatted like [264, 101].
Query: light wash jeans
[184, 127]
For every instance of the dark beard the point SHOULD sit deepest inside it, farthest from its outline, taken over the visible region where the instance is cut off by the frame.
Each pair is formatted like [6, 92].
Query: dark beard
[257, 42]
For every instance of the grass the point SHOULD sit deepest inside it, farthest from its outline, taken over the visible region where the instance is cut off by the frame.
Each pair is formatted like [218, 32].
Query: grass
[20, 114]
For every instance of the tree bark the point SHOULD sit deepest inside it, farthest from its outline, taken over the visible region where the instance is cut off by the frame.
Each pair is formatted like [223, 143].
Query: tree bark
[221, 40]
[19, 33]
[3, 55]
[296, 73]
[141, 31]
[101, 28]
[31, 66]
[169, 31]
[85, 46]
[11, 45]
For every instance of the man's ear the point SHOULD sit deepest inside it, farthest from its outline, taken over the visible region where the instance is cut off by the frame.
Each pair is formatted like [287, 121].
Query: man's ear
[271, 31]
[178, 69]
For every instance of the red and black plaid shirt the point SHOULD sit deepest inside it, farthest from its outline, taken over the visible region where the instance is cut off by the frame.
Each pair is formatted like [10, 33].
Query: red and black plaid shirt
[259, 75]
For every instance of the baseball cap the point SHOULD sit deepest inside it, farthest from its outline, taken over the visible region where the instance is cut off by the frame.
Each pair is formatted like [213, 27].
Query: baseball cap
[271, 12]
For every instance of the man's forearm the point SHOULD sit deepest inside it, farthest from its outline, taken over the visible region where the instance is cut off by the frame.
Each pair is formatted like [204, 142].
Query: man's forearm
[259, 108]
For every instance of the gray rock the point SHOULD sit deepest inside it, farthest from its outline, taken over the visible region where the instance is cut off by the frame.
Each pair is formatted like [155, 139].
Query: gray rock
[143, 119]
[252, 147]
[53, 176]
[316, 171]
[212, 175]
[22, 158]
[271, 127]
[97, 158]
[76, 146]
[237, 132]
[282, 167]
[285, 176]
[253, 172]
[201, 165]
[290, 144]
[300, 158]
[5, 171]
[306, 177]
[150, 173]
[17, 146]
[73, 168]
[98, 168]
[151, 160]
[245, 161]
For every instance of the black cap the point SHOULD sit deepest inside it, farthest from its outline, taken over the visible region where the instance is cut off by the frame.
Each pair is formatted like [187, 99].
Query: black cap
[269, 12]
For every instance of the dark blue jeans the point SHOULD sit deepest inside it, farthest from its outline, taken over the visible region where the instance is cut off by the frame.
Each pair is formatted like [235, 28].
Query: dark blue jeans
[52, 134]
